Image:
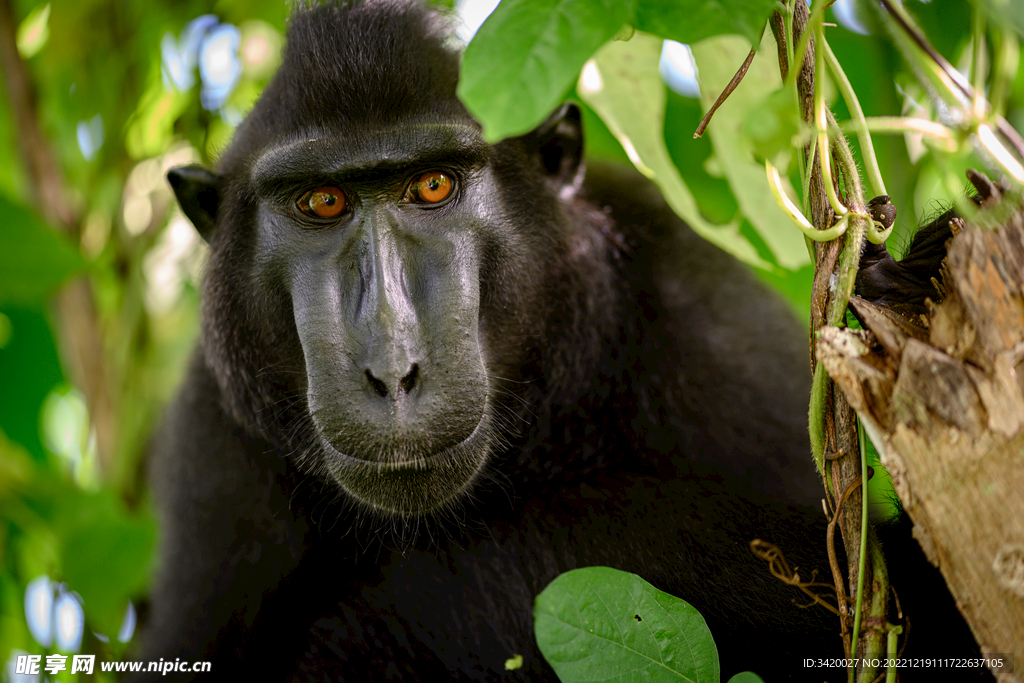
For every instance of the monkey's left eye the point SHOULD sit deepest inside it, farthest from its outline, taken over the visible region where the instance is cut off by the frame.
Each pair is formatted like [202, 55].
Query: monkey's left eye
[429, 188]
[323, 202]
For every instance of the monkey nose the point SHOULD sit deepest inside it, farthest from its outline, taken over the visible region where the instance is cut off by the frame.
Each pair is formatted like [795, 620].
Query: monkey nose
[390, 383]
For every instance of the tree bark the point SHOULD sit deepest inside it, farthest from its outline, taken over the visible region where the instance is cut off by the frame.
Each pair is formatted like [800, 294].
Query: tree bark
[943, 401]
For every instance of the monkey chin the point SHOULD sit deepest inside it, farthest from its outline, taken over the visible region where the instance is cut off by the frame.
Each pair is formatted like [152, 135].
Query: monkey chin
[411, 484]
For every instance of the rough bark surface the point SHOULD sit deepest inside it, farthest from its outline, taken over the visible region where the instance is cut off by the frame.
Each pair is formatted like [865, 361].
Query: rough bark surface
[942, 398]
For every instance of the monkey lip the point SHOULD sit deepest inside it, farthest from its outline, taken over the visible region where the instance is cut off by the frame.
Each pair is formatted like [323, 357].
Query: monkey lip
[403, 457]
[399, 463]
[412, 485]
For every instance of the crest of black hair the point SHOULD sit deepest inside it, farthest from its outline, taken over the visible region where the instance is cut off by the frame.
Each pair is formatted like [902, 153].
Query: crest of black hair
[361, 66]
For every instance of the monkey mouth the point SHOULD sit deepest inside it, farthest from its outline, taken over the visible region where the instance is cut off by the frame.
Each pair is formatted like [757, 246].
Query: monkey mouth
[407, 482]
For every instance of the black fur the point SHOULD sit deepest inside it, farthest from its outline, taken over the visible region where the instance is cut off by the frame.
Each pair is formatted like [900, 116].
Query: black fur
[402, 424]
[907, 283]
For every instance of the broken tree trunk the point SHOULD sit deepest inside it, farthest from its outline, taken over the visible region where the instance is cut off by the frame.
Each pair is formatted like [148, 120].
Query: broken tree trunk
[942, 398]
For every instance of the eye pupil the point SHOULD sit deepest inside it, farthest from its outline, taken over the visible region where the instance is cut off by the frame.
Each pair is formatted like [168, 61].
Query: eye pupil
[431, 188]
[323, 202]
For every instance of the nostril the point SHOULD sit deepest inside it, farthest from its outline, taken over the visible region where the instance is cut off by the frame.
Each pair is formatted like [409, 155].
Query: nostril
[409, 381]
[405, 385]
[378, 386]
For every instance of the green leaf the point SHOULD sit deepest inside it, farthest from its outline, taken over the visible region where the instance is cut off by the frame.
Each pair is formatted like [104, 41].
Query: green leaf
[689, 21]
[773, 127]
[30, 368]
[87, 540]
[717, 60]
[601, 624]
[15, 472]
[34, 259]
[525, 57]
[14, 632]
[107, 557]
[34, 32]
[151, 128]
[625, 88]
[746, 677]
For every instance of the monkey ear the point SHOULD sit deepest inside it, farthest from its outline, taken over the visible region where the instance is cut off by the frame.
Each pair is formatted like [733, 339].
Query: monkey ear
[198, 193]
[559, 144]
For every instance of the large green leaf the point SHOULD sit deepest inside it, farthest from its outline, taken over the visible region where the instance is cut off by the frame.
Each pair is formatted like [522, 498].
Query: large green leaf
[87, 540]
[691, 20]
[107, 556]
[523, 60]
[717, 60]
[625, 88]
[29, 369]
[601, 624]
[34, 260]
[526, 56]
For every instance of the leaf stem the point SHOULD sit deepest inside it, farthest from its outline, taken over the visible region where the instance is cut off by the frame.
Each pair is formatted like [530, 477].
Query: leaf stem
[729, 87]
[790, 47]
[790, 82]
[816, 417]
[861, 224]
[977, 54]
[794, 213]
[861, 439]
[879, 598]
[902, 124]
[847, 166]
[1005, 61]
[850, 97]
[814, 22]
[820, 124]
[891, 644]
[854, 191]
[848, 264]
[941, 71]
[992, 145]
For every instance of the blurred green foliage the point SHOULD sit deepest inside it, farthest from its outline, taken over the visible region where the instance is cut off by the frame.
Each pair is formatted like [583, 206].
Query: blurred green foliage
[115, 123]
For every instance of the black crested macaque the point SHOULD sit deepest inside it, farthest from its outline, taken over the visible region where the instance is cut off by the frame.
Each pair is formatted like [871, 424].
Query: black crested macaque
[434, 373]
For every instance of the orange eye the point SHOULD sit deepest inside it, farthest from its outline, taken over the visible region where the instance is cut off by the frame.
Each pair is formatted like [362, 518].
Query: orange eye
[431, 188]
[323, 202]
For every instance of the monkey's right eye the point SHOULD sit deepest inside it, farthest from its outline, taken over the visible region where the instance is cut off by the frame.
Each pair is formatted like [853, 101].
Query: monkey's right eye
[323, 202]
